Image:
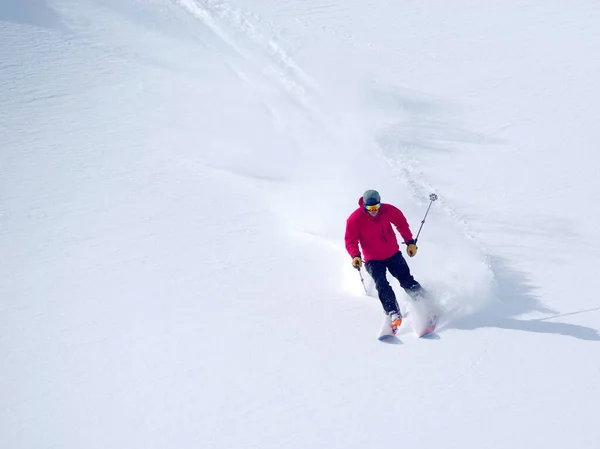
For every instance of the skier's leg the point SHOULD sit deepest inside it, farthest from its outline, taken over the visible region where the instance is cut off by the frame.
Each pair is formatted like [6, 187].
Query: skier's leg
[399, 269]
[377, 270]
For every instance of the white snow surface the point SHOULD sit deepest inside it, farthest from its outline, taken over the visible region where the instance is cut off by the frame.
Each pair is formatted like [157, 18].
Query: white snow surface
[175, 177]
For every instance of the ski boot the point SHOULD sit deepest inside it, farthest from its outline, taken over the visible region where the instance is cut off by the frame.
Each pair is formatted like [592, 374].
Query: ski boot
[395, 321]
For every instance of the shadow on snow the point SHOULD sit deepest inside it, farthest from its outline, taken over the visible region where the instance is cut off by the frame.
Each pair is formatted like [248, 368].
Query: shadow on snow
[514, 296]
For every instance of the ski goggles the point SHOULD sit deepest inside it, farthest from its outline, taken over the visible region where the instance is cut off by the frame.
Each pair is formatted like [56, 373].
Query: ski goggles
[373, 207]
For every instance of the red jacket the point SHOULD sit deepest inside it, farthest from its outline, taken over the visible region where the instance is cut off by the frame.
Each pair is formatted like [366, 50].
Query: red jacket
[375, 234]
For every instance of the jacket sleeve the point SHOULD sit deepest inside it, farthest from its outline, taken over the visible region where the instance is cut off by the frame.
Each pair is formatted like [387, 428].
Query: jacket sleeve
[351, 238]
[399, 220]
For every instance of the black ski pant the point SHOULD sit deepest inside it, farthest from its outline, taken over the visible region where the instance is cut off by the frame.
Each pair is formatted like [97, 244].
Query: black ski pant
[399, 269]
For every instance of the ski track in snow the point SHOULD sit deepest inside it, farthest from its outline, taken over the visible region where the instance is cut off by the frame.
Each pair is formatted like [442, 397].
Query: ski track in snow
[220, 16]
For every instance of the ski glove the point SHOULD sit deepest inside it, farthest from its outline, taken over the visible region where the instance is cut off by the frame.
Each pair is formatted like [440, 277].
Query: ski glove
[411, 248]
[357, 262]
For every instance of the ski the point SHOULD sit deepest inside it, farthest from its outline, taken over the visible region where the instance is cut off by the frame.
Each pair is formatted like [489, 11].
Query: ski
[430, 327]
[386, 332]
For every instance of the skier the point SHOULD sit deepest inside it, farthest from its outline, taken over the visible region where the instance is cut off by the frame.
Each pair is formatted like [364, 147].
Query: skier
[370, 226]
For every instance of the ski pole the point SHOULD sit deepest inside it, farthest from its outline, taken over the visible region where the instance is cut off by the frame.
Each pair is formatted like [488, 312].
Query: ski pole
[432, 198]
[362, 279]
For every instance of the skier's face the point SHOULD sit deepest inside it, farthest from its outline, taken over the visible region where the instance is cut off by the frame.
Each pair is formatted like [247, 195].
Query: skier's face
[373, 210]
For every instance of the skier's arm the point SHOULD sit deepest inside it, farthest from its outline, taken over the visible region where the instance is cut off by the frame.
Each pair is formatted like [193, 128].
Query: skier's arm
[399, 220]
[351, 239]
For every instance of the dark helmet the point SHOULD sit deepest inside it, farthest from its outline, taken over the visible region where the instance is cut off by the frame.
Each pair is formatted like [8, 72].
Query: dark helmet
[371, 197]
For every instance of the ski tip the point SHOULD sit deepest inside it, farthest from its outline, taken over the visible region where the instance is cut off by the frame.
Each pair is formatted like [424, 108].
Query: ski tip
[385, 337]
[430, 335]
[390, 340]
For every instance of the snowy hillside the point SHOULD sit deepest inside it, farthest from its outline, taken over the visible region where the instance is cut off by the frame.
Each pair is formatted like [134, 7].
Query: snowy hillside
[175, 178]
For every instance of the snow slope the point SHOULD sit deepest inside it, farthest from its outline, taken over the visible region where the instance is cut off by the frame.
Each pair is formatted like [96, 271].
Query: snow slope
[174, 182]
